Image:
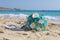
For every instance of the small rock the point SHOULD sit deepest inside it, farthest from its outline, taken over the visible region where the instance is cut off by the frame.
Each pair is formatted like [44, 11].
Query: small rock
[59, 34]
[25, 34]
[5, 39]
[33, 31]
[1, 32]
[28, 37]
[47, 33]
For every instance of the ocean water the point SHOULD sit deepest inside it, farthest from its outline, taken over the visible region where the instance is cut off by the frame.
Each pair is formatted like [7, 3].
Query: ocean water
[53, 15]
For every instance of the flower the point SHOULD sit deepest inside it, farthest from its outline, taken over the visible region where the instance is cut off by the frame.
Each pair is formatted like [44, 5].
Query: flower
[32, 25]
[35, 15]
[41, 21]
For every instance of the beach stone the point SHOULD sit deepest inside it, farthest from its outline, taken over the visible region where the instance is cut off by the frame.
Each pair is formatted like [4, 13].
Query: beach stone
[5, 39]
[1, 30]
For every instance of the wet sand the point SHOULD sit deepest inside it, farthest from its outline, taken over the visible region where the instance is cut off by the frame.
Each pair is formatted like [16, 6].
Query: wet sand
[52, 32]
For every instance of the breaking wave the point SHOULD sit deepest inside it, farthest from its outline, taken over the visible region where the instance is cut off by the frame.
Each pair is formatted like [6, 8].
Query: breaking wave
[52, 18]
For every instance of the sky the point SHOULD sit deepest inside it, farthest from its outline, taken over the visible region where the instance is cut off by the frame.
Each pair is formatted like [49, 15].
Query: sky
[31, 4]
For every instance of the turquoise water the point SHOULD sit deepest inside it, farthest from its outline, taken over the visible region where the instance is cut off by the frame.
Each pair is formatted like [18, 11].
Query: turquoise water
[46, 12]
[49, 14]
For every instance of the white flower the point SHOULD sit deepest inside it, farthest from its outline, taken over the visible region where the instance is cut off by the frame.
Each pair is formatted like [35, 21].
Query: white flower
[32, 25]
[41, 21]
[35, 15]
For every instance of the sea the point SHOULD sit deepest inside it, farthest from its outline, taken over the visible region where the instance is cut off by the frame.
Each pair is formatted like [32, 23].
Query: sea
[53, 15]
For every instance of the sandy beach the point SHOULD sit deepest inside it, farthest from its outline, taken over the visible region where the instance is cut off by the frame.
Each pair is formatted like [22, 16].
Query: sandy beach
[52, 32]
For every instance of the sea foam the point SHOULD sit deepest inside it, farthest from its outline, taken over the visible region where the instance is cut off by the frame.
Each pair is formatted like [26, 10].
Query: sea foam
[52, 18]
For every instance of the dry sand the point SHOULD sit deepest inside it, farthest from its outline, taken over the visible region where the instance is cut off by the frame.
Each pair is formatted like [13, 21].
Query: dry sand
[52, 32]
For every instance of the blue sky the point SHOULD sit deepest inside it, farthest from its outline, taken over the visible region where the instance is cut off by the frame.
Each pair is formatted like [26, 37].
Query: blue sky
[31, 4]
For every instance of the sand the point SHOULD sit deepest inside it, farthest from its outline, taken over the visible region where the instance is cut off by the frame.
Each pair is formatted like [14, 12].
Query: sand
[52, 32]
